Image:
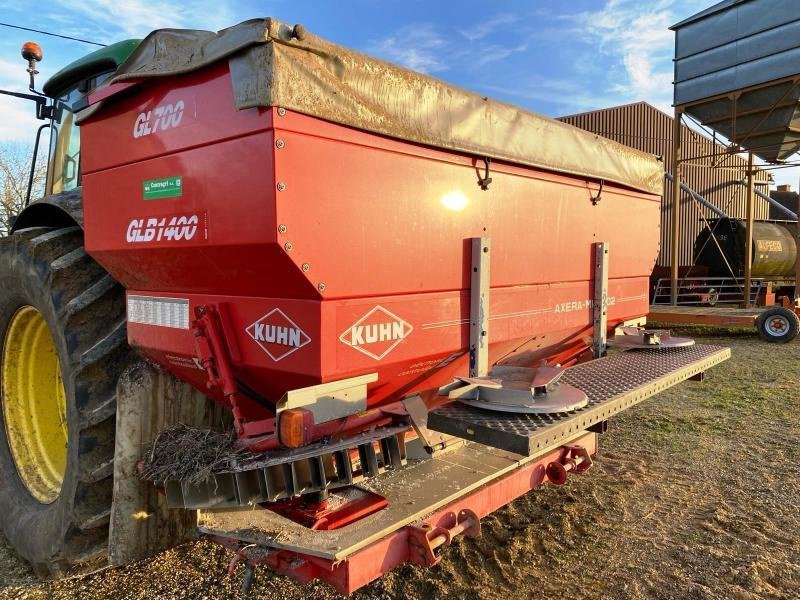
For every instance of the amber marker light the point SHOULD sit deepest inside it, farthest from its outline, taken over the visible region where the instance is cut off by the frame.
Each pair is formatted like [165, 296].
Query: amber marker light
[294, 427]
[31, 51]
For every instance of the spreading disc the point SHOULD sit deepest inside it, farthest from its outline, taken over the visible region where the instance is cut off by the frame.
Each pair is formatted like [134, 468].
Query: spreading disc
[638, 337]
[519, 390]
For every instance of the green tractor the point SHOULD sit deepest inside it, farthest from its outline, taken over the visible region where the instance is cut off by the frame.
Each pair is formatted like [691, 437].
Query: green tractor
[63, 340]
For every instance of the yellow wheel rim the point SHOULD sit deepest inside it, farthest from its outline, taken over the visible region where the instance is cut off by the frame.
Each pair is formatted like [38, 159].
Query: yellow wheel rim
[34, 404]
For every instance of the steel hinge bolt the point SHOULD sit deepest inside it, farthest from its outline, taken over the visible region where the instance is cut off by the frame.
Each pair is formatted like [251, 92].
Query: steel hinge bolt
[279, 143]
[306, 267]
[281, 111]
[287, 246]
[321, 287]
[282, 228]
[281, 186]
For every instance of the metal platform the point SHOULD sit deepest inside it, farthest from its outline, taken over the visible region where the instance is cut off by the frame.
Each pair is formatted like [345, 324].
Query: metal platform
[423, 487]
[722, 316]
[612, 384]
[413, 492]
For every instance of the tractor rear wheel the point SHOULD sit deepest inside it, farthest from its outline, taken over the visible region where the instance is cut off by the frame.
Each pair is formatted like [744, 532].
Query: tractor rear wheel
[62, 346]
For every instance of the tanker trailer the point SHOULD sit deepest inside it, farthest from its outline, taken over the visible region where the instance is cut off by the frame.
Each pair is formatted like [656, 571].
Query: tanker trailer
[399, 292]
[774, 249]
[721, 249]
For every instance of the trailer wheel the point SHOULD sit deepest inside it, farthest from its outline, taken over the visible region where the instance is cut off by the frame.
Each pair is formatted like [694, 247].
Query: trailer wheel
[778, 324]
[713, 297]
[62, 345]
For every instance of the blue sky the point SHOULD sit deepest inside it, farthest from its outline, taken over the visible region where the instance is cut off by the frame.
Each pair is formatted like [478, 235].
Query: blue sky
[552, 57]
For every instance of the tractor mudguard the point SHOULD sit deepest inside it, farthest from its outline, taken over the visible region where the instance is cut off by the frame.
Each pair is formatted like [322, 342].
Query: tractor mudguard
[64, 209]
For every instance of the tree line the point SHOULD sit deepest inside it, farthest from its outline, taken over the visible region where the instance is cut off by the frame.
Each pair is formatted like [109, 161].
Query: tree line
[15, 163]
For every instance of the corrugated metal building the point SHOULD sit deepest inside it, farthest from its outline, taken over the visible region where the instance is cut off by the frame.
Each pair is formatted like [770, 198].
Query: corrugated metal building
[646, 128]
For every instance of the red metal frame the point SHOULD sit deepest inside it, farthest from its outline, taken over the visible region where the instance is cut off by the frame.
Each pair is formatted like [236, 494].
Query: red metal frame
[321, 516]
[422, 542]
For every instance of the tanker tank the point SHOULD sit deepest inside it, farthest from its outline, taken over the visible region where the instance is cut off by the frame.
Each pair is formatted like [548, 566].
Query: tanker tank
[774, 249]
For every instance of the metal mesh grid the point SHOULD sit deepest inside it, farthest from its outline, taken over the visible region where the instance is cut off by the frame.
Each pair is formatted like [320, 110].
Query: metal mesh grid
[623, 372]
[612, 384]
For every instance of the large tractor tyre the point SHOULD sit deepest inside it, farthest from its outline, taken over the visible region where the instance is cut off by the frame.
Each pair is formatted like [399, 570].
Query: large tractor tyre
[63, 341]
[778, 325]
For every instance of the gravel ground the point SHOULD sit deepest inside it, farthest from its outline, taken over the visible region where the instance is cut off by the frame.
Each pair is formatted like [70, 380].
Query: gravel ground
[695, 494]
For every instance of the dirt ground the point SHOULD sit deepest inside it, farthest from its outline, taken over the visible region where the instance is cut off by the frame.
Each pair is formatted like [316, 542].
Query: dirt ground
[696, 494]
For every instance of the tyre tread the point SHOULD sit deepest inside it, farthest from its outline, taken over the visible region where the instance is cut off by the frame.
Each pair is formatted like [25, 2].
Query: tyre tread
[89, 304]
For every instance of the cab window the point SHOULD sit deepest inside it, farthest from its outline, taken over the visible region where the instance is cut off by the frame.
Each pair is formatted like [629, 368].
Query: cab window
[63, 173]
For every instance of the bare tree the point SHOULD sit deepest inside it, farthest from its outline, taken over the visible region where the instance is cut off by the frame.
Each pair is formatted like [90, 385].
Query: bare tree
[15, 164]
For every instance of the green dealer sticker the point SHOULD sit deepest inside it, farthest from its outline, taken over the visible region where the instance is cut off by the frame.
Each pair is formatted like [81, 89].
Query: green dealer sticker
[167, 187]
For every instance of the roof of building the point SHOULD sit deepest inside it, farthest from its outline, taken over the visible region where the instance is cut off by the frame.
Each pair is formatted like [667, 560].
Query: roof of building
[720, 6]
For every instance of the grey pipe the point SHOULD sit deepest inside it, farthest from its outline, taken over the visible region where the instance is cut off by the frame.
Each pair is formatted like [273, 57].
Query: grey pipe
[712, 207]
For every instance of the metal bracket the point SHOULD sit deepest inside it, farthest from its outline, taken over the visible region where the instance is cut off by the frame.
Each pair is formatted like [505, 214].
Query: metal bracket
[211, 351]
[600, 301]
[479, 309]
[424, 540]
[601, 427]
[577, 459]
[638, 337]
[43, 110]
[596, 199]
[329, 401]
[486, 180]
[636, 322]
[421, 543]
[432, 441]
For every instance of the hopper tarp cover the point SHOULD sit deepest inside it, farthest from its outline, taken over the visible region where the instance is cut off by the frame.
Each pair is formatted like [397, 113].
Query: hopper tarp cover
[273, 64]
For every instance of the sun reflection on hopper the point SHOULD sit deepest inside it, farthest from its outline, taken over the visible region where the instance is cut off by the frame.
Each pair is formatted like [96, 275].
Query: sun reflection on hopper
[454, 201]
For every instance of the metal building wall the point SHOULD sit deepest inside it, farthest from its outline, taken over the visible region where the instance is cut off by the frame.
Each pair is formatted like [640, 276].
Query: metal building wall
[646, 128]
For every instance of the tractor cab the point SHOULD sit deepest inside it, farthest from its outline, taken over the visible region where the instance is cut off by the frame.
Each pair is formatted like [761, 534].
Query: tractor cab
[62, 93]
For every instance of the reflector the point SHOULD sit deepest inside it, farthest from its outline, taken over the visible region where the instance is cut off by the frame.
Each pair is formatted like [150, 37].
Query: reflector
[294, 427]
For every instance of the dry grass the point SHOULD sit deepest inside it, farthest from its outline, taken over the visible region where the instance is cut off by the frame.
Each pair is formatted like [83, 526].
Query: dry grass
[696, 494]
[189, 454]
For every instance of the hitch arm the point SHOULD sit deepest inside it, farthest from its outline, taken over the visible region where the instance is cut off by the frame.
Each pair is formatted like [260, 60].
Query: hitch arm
[211, 352]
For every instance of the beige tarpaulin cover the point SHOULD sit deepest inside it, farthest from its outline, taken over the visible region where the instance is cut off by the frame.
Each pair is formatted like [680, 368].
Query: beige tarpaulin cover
[273, 64]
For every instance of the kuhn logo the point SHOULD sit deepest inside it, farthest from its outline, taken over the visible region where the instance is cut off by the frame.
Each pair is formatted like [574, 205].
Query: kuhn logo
[161, 117]
[277, 334]
[377, 333]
